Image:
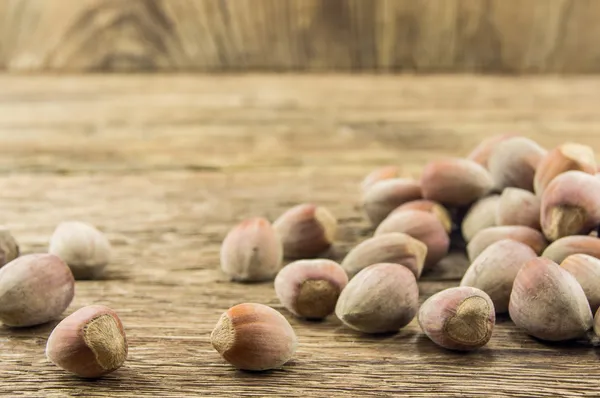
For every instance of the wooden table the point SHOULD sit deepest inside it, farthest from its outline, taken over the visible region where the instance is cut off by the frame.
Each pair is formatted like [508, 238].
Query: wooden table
[165, 165]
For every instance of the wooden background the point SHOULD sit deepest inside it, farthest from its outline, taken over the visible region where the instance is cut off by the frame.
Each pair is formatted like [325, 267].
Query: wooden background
[498, 36]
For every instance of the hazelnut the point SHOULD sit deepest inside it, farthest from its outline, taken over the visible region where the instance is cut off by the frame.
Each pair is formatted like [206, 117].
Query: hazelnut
[459, 318]
[570, 205]
[486, 237]
[455, 182]
[89, 343]
[310, 288]
[384, 196]
[430, 206]
[513, 163]
[252, 251]
[548, 302]
[569, 156]
[393, 247]
[562, 248]
[517, 206]
[383, 173]
[85, 249]
[9, 250]
[254, 337]
[586, 269]
[381, 298]
[306, 231]
[481, 215]
[34, 289]
[481, 153]
[495, 269]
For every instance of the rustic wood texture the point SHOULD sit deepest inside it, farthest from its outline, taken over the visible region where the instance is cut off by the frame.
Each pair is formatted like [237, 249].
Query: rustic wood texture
[165, 165]
[499, 36]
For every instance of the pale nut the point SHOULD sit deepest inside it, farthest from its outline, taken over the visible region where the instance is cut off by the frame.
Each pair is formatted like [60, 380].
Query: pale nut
[385, 196]
[517, 206]
[495, 269]
[90, 342]
[381, 298]
[455, 182]
[481, 215]
[548, 302]
[34, 289]
[306, 231]
[254, 337]
[567, 157]
[430, 206]
[380, 174]
[513, 163]
[570, 205]
[393, 247]
[586, 269]
[9, 249]
[85, 249]
[459, 318]
[486, 237]
[422, 226]
[252, 251]
[562, 248]
[310, 288]
[481, 153]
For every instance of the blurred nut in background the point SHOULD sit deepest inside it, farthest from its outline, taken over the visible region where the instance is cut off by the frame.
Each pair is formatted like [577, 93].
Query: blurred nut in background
[385, 196]
[9, 249]
[517, 206]
[383, 173]
[481, 215]
[430, 206]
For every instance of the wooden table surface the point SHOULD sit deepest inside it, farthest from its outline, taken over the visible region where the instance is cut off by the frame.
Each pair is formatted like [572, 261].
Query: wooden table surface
[165, 165]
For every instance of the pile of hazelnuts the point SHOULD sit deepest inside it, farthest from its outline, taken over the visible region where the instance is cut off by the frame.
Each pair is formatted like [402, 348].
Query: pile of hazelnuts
[527, 217]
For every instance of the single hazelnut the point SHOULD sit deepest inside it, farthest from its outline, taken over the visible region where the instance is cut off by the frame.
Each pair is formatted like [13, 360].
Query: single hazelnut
[486, 237]
[385, 196]
[562, 248]
[455, 182]
[513, 163]
[586, 269]
[548, 302]
[517, 206]
[9, 250]
[89, 343]
[570, 205]
[383, 173]
[252, 251]
[381, 298]
[34, 289]
[481, 153]
[495, 269]
[481, 215]
[306, 231]
[310, 288]
[430, 206]
[85, 249]
[254, 337]
[393, 247]
[459, 318]
[568, 156]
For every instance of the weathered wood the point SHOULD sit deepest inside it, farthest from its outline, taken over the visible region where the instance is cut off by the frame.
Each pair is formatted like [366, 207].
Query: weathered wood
[167, 164]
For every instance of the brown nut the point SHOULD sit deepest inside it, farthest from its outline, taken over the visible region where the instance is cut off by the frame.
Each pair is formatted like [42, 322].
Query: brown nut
[455, 182]
[252, 251]
[570, 205]
[384, 196]
[34, 289]
[393, 247]
[310, 288]
[381, 298]
[9, 250]
[90, 342]
[480, 216]
[422, 226]
[513, 163]
[548, 302]
[486, 237]
[495, 269]
[568, 156]
[254, 337]
[306, 231]
[430, 206]
[586, 269]
[459, 318]
[481, 153]
[383, 173]
[518, 207]
[562, 248]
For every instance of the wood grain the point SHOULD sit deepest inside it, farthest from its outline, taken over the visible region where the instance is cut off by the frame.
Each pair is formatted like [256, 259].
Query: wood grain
[165, 165]
[498, 36]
